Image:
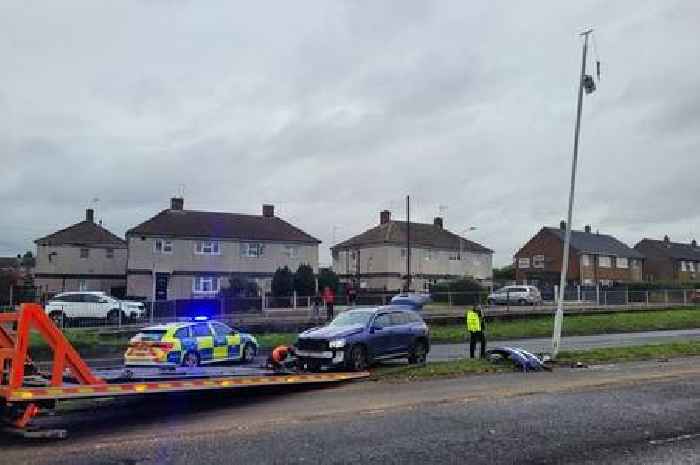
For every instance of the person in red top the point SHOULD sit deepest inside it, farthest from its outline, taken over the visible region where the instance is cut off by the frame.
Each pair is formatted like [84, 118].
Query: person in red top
[328, 299]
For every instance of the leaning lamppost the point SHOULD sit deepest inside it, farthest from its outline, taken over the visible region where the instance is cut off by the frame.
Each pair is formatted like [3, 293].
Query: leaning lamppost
[585, 83]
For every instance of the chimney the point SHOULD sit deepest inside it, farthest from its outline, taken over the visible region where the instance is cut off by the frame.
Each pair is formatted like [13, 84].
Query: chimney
[177, 203]
[384, 216]
[90, 215]
[438, 222]
[666, 238]
[562, 225]
[588, 228]
[694, 243]
[268, 211]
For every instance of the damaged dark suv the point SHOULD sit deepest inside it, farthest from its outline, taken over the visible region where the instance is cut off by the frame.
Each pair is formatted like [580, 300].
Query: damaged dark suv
[359, 337]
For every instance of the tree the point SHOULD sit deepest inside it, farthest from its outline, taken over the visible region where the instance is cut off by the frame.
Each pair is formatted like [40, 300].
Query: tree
[305, 281]
[463, 291]
[282, 282]
[327, 278]
[507, 273]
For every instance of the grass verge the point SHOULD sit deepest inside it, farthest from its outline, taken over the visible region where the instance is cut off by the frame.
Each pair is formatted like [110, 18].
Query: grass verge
[463, 367]
[577, 325]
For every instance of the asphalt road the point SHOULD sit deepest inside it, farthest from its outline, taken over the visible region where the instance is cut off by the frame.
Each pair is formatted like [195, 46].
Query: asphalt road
[628, 414]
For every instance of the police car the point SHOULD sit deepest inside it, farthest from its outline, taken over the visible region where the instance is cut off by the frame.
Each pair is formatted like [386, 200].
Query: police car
[189, 344]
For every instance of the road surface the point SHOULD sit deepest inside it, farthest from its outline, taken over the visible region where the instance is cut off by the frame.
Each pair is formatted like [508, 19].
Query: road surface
[634, 413]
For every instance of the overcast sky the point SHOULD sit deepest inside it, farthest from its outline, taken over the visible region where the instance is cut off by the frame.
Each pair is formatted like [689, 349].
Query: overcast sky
[333, 111]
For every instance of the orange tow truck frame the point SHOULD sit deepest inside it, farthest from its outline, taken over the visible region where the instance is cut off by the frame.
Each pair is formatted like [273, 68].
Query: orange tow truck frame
[24, 392]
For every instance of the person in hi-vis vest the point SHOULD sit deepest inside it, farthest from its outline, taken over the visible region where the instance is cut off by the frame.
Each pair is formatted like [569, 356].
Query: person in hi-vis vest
[476, 327]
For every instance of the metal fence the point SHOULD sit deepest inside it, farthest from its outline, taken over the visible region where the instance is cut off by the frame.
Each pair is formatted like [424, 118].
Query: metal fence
[92, 315]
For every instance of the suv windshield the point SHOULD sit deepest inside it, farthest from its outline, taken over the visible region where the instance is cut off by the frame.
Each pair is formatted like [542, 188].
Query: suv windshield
[352, 318]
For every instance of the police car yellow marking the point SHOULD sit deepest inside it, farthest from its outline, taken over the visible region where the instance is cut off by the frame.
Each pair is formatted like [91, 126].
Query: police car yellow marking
[140, 387]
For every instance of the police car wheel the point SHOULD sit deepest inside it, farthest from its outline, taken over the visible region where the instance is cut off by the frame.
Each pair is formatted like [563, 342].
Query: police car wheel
[248, 353]
[191, 359]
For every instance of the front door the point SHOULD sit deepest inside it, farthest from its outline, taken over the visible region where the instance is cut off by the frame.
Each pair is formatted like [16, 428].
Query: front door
[381, 337]
[162, 286]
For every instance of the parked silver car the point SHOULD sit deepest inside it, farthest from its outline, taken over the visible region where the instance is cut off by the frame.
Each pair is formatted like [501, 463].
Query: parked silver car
[521, 295]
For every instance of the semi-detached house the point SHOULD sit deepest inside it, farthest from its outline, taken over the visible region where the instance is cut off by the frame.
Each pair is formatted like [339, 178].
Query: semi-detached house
[181, 254]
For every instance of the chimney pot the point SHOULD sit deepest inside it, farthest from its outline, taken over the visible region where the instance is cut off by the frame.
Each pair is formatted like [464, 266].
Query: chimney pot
[90, 215]
[694, 243]
[562, 225]
[268, 211]
[438, 222]
[384, 216]
[177, 203]
[666, 238]
[588, 228]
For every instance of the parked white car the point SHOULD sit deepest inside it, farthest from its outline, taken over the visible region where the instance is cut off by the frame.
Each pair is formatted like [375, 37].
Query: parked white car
[68, 306]
[521, 295]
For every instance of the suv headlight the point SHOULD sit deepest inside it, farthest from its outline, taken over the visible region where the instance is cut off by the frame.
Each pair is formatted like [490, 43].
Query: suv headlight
[337, 344]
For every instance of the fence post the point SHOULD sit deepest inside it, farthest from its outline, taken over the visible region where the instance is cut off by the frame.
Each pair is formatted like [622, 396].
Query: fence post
[597, 293]
[578, 290]
[120, 316]
[605, 297]
[685, 297]
[294, 300]
[647, 299]
[449, 299]
[627, 296]
[666, 296]
[556, 294]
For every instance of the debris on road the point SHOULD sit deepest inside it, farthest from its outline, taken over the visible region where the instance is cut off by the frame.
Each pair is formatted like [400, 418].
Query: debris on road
[522, 359]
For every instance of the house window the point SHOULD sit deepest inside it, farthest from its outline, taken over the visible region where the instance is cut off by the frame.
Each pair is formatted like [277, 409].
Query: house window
[606, 282]
[635, 263]
[292, 251]
[428, 255]
[82, 285]
[523, 263]
[84, 253]
[691, 267]
[403, 253]
[683, 266]
[205, 284]
[604, 261]
[538, 261]
[585, 260]
[163, 246]
[109, 253]
[207, 248]
[252, 250]
[621, 262]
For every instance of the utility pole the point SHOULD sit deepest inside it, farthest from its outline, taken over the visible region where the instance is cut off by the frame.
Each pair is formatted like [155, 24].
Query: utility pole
[408, 243]
[559, 317]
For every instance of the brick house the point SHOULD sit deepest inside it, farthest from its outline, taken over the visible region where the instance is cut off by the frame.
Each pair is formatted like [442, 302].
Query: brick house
[376, 258]
[670, 261]
[81, 257]
[593, 258]
[182, 254]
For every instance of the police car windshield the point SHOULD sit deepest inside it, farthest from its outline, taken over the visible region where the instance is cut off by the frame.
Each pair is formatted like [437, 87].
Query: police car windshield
[353, 318]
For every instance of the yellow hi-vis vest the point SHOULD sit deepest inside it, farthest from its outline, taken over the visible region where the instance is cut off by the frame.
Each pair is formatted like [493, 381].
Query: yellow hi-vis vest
[473, 321]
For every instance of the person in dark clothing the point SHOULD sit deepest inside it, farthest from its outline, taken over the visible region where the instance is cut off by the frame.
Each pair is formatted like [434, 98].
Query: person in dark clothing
[476, 327]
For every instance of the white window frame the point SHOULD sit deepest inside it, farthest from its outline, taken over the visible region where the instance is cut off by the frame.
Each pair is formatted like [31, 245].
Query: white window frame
[620, 260]
[523, 263]
[691, 267]
[198, 284]
[604, 261]
[683, 265]
[207, 248]
[252, 249]
[538, 261]
[585, 260]
[291, 251]
[82, 285]
[428, 255]
[163, 246]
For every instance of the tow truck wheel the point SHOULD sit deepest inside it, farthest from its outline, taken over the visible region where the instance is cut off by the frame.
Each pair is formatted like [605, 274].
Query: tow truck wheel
[358, 359]
[191, 360]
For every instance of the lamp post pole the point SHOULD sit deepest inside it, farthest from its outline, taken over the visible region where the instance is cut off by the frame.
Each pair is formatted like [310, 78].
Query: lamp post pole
[559, 317]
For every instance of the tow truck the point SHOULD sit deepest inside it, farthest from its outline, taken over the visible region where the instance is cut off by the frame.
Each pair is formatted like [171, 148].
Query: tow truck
[26, 392]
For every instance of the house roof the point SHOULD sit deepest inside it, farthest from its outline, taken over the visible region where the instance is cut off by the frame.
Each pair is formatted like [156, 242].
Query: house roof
[426, 235]
[675, 250]
[9, 262]
[595, 243]
[83, 233]
[193, 223]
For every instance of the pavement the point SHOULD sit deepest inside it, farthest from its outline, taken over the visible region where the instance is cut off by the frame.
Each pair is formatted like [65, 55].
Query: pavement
[645, 412]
